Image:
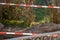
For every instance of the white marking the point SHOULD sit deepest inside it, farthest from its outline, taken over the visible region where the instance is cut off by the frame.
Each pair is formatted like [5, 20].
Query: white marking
[27, 33]
[10, 33]
[35, 6]
[3, 3]
[44, 6]
[56, 7]
[12, 4]
[32, 5]
[22, 5]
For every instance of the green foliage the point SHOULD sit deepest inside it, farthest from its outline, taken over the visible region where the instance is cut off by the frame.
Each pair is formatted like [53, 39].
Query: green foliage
[18, 18]
[42, 14]
[13, 22]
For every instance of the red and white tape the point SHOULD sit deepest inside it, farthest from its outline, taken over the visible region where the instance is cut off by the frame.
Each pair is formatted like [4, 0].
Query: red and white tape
[16, 33]
[31, 34]
[29, 5]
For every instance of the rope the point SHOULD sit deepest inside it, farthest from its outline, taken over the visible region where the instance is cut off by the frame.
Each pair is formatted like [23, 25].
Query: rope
[29, 5]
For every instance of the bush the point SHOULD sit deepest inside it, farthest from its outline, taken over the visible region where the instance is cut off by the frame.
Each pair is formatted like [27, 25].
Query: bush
[10, 23]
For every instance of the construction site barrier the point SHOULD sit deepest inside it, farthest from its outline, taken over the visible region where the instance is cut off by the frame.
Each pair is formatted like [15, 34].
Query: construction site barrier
[34, 34]
[50, 34]
[16, 33]
[29, 5]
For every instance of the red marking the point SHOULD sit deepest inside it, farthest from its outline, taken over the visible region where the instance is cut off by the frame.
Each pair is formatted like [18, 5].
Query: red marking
[33, 34]
[17, 4]
[7, 3]
[18, 33]
[50, 7]
[27, 5]
[38, 6]
[54, 35]
[2, 32]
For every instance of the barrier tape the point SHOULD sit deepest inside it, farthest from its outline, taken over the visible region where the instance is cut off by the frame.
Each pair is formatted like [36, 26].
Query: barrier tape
[21, 33]
[16, 33]
[29, 5]
[53, 34]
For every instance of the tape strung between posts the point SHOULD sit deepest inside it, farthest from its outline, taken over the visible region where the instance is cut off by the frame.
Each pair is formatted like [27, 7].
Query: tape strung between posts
[17, 33]
[34, 34]
[54, 34]
[29, 5]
